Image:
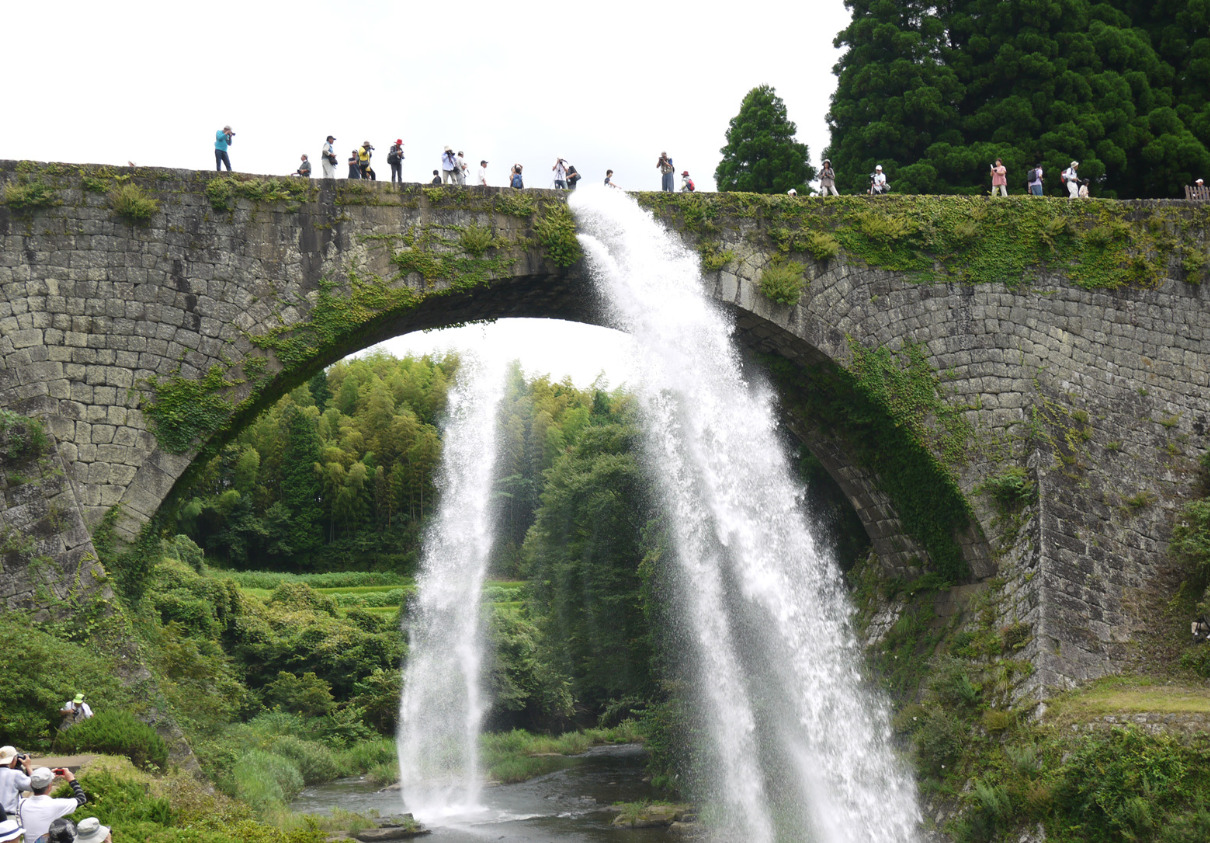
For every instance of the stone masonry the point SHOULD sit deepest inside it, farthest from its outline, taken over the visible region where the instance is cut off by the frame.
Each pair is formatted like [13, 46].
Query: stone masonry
[1102, 395]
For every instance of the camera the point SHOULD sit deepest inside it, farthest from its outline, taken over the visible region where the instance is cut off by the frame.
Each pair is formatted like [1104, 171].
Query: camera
[23, 756]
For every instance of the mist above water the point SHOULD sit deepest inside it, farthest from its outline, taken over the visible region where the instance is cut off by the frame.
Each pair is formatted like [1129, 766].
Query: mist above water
[798, 743]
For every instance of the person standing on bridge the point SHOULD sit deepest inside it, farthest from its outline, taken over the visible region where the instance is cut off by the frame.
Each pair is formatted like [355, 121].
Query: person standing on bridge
[1035, 181]
[354, 165]
[483, 173]
[363, 156]
[449, 166]
[222, 139]
[395, 159]
[664, 165]
[827, 179]
[304, 169]
[999, 178]
[328, 158]
[1071, 178]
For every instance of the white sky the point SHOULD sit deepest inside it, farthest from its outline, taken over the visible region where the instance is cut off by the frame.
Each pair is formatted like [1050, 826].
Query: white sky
[606, 86]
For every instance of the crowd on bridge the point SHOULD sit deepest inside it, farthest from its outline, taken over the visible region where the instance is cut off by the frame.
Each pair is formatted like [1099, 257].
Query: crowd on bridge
[455, 170]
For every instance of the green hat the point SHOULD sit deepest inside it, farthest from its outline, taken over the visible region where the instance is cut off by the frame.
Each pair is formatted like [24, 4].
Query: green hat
[79, 698]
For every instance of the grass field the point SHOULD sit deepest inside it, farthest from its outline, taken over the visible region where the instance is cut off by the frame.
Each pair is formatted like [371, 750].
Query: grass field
[1129, 695]
[350, 590]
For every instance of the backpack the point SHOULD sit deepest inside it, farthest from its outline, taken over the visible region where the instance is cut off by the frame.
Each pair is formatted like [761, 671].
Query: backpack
[516, 181]
[689, 182]
[395, 155]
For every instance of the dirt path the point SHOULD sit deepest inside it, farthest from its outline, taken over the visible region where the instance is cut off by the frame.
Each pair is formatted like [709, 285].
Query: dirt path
[75, 763]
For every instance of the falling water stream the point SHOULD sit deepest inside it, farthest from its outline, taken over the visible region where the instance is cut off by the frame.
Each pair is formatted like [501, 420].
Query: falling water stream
[442, 705]
[799, 746]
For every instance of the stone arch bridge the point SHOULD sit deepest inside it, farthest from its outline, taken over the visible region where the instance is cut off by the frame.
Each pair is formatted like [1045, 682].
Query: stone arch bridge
[1012, 393]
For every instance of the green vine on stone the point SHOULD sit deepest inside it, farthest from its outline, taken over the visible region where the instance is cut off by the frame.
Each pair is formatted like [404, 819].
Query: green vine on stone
[183, 411]
[556, 230]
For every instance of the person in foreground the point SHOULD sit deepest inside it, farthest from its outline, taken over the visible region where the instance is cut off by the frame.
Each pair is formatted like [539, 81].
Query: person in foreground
[40, 810]
[90, 830]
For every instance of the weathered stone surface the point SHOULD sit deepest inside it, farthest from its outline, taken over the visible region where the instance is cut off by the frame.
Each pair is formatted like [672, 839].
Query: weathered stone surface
[1102, 394]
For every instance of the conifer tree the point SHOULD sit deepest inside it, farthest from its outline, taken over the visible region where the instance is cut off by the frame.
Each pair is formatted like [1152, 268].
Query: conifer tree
[761, 155]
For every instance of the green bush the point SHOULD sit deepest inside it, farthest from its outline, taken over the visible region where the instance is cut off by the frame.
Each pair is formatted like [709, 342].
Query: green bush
[315, 761]
[306, 695]
[940, 739]
[116, 800]
[266, 780]
[783, 283]
[1011, 490]
[24, 197]
[131, 202]
[821, 245]
[117, 732]
[476, 239]
[21, 439]
[556, 230]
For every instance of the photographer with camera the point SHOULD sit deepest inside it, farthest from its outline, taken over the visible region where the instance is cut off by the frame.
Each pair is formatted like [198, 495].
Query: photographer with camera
[222, 139]
[40, 810]
[328, 158]
[560, 170]
[14, 776]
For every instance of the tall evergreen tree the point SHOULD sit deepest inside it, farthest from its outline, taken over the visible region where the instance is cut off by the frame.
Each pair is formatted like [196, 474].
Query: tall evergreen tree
[761, 155]
[941, 91]
[300, 484]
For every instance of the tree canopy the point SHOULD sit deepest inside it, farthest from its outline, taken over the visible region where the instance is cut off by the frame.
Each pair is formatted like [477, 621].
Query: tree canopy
[761, 155]
[936, 93]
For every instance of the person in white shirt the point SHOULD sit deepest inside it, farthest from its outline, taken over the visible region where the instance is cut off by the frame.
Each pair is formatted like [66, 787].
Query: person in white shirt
[14, 777]
[1071, 178]
[74, 711]
[878, 181]
[40, 810]
[328, 158]
[449, 167]
[560, 171]
[463, 167]
[483, 174]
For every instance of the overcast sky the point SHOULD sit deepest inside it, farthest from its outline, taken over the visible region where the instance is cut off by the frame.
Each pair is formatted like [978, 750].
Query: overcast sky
[606, 86]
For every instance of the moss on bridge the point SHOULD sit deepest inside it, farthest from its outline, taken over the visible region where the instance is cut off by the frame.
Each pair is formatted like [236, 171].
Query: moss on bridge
[1095, 244]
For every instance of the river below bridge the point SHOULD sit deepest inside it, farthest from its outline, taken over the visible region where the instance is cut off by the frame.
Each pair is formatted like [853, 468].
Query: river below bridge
[571, 804]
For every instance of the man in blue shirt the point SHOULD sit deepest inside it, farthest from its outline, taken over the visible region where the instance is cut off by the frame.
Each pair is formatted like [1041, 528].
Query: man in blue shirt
[222, 139]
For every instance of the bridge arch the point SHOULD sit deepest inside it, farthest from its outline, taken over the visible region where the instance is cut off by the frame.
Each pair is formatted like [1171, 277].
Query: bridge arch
[143, 343]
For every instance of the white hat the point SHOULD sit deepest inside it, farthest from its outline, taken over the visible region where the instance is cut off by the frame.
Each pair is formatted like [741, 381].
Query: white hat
[792, 192]
[1075, 163]
[878, 167]
[7, 754]
[41, 778]
[10, 830]
[90, 830]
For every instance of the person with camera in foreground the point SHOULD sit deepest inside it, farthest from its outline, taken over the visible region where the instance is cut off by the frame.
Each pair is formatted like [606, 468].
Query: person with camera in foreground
[40, 810]
[15, 768]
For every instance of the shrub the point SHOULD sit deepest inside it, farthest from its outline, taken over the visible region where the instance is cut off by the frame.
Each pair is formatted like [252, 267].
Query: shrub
[306, 695]
[940, 740]
[1011, 490]
[315, 762]
[117, 732]
[556, 230]
[1191, 538]
[1194, 265]
[821, 245]
[783, 283]
[24, 197]
[113, 799]
[21, 439]
[130, 201]
[476, 239]
[266, 780]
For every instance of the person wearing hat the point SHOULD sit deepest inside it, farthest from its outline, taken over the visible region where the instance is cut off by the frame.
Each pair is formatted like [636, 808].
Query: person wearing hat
[687, 185]
[664, 165]
[827, 179]
[354, 165]
[74, 711]
[395, 159]
[1071, 178]
[483, 173]
[328, 158]
[222, 139]
[461, 168]
[90, 830]
[10, 830]
[14, 777]
[878, 181]
[560, 171]
[449, 163]
[363, 161]
[40, 810]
